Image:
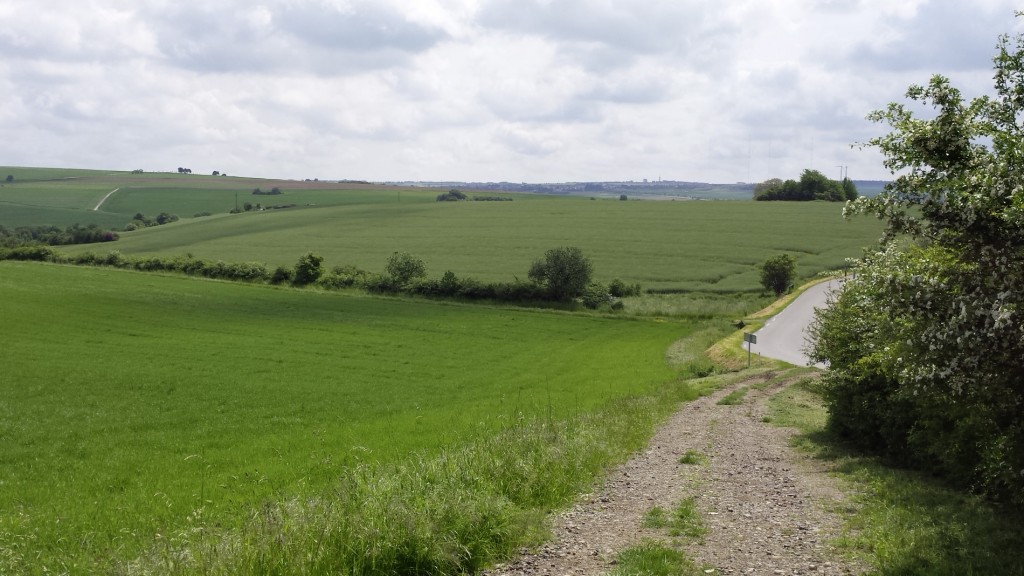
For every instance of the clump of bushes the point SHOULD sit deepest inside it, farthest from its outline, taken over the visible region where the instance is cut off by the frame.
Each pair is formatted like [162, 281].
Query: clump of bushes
[55, 236]
[140, 220]
[451, 196]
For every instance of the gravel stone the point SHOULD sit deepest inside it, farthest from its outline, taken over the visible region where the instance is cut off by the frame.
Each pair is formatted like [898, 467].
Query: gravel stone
[765, 505]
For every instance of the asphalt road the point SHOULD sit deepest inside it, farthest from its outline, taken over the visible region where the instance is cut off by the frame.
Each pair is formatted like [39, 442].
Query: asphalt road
[783, 337]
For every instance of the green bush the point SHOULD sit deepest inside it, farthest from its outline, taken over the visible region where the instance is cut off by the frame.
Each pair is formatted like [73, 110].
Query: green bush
[404, 268]
[308, 269]
[565, 272]
[778, 273]
[31, 253]
[281, 275]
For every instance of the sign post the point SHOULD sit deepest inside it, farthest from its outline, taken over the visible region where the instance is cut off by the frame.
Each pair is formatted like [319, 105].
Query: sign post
[750, 339]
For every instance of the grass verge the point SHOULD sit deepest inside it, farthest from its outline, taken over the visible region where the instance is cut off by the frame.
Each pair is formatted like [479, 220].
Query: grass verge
[899, 521]
[451, 513]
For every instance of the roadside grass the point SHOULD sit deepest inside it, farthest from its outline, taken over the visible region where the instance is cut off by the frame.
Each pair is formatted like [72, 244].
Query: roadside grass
[454, 512]
[136, 408]
[901, 522]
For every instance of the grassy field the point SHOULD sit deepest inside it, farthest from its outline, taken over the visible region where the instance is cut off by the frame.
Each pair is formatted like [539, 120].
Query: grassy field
[51, 196]
[664, 245]
[698, 246]
[131, 402]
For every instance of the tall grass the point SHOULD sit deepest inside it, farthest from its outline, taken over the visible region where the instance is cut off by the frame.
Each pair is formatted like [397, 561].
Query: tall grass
[451, 513]
[902, 522]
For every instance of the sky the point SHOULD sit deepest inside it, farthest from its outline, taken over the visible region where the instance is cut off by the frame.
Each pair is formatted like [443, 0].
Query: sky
[477, 90]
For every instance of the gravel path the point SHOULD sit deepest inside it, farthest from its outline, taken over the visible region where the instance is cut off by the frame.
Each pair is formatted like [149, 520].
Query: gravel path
[763, 503]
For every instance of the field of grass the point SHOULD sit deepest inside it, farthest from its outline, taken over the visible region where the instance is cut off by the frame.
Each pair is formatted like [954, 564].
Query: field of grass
[130, 402]
[675, 246]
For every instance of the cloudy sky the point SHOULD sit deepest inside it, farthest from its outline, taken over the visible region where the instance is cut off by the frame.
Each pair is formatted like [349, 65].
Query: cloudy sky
[515, 90]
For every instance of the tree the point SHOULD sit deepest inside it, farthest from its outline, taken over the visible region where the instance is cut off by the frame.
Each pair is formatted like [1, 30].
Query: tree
[166, 218]
[404, 268]
[308, 269]
[623, 197]
[10, 177]
[926, 344]
[565, 272]
[778, 273]
[813, 185]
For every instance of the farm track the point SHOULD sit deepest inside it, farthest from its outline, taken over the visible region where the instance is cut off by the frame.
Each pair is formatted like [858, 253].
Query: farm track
[109, 194]
[765, 505]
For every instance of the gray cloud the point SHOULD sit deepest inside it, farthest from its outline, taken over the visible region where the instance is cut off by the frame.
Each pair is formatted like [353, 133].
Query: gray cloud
[305, 37]
[942, 36]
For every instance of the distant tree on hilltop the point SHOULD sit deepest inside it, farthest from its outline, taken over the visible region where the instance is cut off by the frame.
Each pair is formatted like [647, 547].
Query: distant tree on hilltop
[813, 185]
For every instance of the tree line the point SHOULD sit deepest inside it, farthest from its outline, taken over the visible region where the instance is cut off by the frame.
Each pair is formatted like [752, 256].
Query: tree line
[563, 275]
[55, 236]
[813, 185]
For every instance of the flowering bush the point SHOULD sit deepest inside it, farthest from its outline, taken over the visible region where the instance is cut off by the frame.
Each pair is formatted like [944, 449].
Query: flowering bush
[926, 344]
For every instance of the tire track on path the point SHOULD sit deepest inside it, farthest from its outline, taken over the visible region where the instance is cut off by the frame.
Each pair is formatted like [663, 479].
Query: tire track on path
[109, 194]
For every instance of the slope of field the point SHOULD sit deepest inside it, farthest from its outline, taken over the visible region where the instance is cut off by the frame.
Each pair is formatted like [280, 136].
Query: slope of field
[47, 196]
[664, 245]
[130, 403]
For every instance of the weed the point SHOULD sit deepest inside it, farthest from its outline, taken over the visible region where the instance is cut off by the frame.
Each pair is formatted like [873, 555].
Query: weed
[652, 558]
[735, 397]
[693, 457]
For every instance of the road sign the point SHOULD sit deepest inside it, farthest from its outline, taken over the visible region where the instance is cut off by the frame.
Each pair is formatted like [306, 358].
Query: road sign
[751, 338]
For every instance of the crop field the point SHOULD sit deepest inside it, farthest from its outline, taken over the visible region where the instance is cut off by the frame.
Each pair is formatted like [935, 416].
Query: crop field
[667, 246]
[664, 245]
[131, 402]
[47, 196]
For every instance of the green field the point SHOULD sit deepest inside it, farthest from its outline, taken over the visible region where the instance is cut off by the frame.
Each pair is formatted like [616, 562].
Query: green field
[663, 245]
[128, 400]
[49, 196]
[136, 406]
[675, 246]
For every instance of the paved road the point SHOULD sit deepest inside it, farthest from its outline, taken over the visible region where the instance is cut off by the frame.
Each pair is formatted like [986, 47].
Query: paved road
[783, 337]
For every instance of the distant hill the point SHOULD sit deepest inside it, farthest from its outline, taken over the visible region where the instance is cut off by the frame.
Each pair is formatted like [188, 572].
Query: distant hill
[661, 189]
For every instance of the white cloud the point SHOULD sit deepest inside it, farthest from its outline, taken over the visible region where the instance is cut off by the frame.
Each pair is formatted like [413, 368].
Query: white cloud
[519, 90]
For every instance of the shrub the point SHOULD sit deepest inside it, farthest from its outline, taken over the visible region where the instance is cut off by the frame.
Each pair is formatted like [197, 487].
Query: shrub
[31, 253]
[308, 269]
[404, 268]
[343, 277]
[565, 272]
[778, 273]
[620, 289]
[281, 275]
[595, 295]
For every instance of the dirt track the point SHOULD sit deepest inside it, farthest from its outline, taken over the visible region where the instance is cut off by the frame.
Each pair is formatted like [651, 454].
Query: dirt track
[764, 504]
